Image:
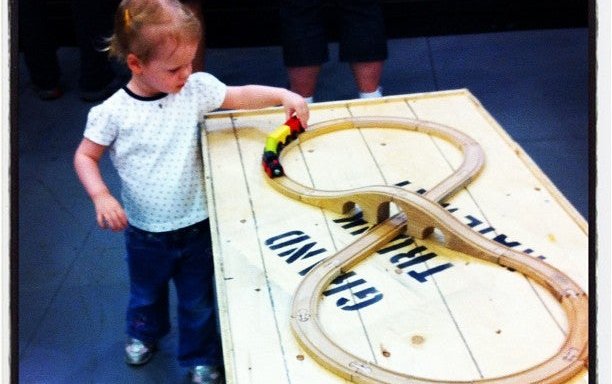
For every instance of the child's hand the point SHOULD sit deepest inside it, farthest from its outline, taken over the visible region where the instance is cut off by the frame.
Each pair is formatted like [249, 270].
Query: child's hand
[260, 96]
[109, 212]
[295, 104]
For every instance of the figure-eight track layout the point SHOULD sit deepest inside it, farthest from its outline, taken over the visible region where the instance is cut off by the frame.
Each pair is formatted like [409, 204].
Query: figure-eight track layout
[419, 215]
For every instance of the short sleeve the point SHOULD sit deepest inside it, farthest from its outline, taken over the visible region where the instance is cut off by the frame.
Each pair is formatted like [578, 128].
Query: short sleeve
[99, 127]
[209, 90]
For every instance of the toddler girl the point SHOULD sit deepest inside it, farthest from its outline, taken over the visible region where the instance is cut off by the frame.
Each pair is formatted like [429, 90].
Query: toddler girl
[151, 128]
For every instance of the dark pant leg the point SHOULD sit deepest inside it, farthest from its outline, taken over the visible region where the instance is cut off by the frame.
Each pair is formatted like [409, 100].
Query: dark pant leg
[199, 341]
[93, 22]
[38, 44]
[362, 31]
[304, 36]
[150, 265]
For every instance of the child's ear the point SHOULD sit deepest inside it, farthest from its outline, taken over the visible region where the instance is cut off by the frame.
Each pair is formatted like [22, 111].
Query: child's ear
[134, 63]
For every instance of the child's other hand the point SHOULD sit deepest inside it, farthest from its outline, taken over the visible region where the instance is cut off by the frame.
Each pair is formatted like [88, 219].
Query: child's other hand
[295, 104]
[109, 212]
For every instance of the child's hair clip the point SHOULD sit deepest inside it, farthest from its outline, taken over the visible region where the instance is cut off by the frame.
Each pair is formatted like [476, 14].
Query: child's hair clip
[127, 18]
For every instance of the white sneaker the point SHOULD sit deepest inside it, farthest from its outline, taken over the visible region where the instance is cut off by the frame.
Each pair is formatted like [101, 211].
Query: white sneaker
[205, 374]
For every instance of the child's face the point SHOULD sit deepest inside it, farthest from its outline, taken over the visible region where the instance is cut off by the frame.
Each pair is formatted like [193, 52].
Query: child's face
[168, 69]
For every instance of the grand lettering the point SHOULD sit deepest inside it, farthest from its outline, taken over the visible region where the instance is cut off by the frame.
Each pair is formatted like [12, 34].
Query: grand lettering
[351, 292]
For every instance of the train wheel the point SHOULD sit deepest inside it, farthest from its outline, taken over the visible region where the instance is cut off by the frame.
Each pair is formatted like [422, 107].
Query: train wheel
[267, 169]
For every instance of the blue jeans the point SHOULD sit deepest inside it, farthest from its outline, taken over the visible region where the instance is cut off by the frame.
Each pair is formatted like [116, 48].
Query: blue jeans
[184, 256]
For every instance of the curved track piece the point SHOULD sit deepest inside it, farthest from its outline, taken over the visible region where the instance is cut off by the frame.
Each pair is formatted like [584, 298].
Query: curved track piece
[420, 214]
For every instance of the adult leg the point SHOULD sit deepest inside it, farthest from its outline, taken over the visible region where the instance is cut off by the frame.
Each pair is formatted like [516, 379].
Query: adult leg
[304, 43]
[367, 75]
[39, 49]
[93, 21]
[363, 42]
[303, 80]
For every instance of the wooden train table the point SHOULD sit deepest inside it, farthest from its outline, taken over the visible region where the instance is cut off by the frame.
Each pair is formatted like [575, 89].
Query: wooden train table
[409, 241]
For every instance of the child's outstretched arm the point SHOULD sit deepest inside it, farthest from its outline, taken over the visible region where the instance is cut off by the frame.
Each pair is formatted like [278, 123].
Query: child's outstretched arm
[260, 96]
[109, 212]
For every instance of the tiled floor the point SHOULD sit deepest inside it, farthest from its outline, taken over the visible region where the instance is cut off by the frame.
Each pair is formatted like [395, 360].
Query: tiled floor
[72, 276]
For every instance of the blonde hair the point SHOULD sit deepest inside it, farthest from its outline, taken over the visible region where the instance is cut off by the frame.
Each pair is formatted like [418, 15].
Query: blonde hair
[143, 25]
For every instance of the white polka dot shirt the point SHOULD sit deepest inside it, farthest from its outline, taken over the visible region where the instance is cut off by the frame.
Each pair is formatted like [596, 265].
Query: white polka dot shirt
[154, 144]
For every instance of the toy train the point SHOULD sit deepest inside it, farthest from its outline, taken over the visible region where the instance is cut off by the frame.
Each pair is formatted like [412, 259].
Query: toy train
[275, 143]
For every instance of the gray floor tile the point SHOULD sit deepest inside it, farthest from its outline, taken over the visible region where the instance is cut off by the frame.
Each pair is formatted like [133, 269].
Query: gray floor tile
[533, 82]
[408, 68]
[568, 168]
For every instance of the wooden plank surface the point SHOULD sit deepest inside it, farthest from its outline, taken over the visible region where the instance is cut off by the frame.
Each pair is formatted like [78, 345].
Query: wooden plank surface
[414, 306]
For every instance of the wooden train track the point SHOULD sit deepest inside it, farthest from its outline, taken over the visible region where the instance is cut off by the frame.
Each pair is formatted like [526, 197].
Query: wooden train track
[419, 216]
